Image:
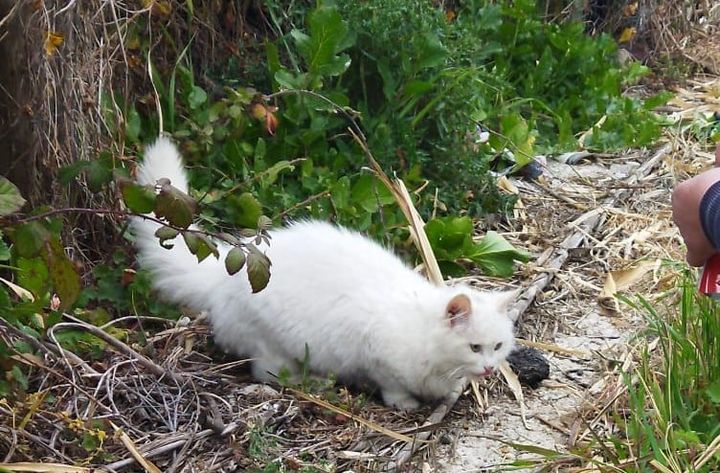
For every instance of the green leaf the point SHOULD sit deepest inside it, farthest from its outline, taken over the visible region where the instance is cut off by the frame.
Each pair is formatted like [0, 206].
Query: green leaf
[258, 269]
[235, 260]
[496, 256]
[329, 35]
[369, 193]
[99, 172]
[20, 377]
[62, 274]
[200, 245]
[33, 275]
[166, 233]
[713, 392]
[269, 177]
[133, 125]
[175, 206]
[29, 239]
[245, 210]
[450, 237]
[206, 247]
[139, 199]
[10, 198]
[432, 52]
[67, 173]
[4, 249]
[192, 241]
[516, 130]
[196, 97]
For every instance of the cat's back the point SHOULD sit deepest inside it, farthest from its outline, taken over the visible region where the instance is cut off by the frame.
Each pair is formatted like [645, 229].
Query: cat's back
[327, 252]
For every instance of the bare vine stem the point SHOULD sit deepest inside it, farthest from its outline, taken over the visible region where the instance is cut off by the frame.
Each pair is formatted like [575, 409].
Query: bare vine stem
[118, 213]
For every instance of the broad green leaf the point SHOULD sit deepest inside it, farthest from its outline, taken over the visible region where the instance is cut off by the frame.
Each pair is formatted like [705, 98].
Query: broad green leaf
[258, 269]
[175, 206]
[206, 247]
[496, 256]
[516, 130]
[197, 97]
[10, 198]
[432, 52]
[200, 245]
[245, 210]
[235, 260]
[368, 193]
[192, 241]
[33, 275]
[29, 239]
[139, 199]
[288, 80]
[328, 36]
[62, 273]
[450, 237]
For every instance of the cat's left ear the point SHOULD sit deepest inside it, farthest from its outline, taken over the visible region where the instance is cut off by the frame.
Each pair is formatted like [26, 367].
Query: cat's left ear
[504, 301]
[458, 309]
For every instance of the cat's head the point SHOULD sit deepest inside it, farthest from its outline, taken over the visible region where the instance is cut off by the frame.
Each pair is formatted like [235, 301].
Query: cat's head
[481, 331]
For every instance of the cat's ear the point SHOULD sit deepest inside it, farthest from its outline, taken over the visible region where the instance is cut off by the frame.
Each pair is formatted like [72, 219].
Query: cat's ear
[458, 309]
[504, 301]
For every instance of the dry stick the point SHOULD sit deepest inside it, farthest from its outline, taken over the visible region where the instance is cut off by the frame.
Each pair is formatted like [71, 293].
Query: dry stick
[173, 445]
[151, 366]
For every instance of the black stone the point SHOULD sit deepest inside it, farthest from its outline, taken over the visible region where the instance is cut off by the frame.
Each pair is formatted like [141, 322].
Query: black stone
[530, 366]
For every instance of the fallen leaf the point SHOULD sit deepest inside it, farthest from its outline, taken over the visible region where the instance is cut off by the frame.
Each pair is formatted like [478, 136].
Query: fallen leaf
[20, 291]
[53, 40]
[627, 35]
[623, 279]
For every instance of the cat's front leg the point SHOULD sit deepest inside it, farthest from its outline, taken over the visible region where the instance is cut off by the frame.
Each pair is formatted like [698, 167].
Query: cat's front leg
[399, 398]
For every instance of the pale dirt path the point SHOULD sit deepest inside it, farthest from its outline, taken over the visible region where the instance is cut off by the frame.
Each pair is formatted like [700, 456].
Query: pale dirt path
[568, 312]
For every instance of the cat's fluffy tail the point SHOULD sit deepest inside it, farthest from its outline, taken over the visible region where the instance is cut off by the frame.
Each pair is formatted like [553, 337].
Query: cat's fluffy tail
[177, 275]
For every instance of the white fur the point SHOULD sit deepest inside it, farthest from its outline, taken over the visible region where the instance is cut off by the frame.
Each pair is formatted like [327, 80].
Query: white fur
[363, 314]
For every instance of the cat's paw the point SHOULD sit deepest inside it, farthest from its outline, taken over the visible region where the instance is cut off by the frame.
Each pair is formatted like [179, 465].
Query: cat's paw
[400, 400]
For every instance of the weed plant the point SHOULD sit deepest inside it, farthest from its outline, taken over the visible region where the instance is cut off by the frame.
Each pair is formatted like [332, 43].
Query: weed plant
[673, 417]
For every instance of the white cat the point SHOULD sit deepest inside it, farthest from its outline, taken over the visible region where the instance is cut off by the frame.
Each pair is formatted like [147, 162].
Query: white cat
[363, 314]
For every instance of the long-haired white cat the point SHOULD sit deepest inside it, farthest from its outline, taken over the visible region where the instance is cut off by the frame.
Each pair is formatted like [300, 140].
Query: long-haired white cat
[362, 313]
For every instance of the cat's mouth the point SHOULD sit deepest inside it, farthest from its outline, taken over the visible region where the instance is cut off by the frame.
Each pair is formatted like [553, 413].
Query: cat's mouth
[483, 374]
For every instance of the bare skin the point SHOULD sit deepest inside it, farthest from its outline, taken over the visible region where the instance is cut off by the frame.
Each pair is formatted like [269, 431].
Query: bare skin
[686, 213]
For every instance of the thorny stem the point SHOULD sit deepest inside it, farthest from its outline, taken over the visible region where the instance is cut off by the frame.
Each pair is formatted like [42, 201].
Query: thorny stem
[119, 213]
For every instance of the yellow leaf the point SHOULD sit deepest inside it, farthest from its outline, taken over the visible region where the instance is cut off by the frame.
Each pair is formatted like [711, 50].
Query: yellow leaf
[625, 278]
[630, 9]
[627, 35]
[53, 40]
[20, 291]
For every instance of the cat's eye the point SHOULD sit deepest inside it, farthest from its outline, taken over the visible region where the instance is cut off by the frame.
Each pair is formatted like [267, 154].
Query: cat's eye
[498, 346]
[476, 348]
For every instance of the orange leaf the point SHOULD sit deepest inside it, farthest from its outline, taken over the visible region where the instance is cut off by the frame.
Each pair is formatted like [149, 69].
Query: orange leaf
[53, 40]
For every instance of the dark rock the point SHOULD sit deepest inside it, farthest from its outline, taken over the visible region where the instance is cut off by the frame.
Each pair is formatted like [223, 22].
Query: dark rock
[530, 366]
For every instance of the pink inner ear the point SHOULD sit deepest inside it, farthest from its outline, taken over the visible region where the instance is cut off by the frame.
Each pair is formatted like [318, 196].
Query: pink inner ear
[459, 309]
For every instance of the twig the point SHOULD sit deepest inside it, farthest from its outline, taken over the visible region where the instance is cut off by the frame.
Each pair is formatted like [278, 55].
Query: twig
[120, 213]
[151, 366]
